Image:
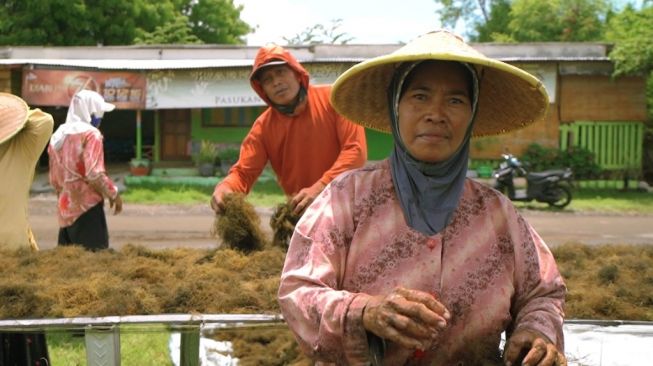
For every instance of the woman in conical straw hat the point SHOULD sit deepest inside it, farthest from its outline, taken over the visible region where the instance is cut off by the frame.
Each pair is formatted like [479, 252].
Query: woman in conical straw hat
[24, 133]
[406, 261]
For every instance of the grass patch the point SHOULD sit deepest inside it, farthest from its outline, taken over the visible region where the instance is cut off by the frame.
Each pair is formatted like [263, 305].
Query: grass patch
[137, 347]
[265, 193]
[600, 200]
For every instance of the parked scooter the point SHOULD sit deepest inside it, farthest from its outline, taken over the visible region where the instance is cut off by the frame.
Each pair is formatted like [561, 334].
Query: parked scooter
[550, 186]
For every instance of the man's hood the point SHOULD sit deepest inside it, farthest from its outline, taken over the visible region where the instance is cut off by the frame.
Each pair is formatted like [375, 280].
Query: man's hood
[271, 53]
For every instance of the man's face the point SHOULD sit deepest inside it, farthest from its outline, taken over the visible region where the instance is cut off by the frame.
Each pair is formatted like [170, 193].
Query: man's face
[280, 83]
[434, 111]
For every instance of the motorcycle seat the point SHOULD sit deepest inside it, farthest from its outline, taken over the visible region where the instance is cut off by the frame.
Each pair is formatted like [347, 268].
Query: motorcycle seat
[535, 176]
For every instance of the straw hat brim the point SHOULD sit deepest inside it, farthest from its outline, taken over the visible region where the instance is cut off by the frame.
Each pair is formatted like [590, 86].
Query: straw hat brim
[509, 97]
[13, 115]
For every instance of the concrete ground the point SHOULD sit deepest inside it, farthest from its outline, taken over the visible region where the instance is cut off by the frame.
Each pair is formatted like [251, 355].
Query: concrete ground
[165, 226]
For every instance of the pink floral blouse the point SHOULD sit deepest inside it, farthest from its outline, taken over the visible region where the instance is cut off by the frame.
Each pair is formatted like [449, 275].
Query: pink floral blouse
[488, 267]
[78, 175]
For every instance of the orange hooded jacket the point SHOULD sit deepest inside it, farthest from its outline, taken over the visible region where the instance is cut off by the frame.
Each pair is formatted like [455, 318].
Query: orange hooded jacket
[316, 144]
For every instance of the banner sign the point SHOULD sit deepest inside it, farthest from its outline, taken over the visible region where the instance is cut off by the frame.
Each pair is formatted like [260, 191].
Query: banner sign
[219, 87]
[46, 87]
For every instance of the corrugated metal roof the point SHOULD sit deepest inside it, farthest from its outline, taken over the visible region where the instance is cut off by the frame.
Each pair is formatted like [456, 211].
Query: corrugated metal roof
[125, 64]
[131, 64]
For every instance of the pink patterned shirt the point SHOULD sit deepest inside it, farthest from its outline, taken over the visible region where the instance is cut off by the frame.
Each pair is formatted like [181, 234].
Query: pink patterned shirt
[78, 175]
[488, 267]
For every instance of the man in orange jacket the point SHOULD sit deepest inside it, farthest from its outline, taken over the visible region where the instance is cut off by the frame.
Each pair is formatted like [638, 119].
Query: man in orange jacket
[305, 140]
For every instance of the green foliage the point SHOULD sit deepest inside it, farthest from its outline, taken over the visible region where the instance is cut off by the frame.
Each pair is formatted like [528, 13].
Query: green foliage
[580, 160]
[632, 33]
[177, 31]
[528, 20]
[320, 34]
[498, 21]
[120, 22]
[228, 153]
[208, 153]
[558, 20]
[217, 21]
[451, 11]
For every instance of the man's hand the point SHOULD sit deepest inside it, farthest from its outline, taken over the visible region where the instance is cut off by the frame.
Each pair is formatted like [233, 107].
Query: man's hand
[305, 197]
[217, 203]
[116, 204]
[534, 347]
[410, 318]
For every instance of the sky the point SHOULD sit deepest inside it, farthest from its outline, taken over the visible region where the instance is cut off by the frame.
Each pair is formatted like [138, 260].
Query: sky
[367, 21]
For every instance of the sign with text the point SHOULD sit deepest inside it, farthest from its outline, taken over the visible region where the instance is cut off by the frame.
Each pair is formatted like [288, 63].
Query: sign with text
[56, 87]
[219, 87]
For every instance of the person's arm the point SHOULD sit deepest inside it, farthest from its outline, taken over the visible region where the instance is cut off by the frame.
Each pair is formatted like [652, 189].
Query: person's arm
[96, 175]
[242, 175]
[539, 296]
[326, 321]
[36, 133]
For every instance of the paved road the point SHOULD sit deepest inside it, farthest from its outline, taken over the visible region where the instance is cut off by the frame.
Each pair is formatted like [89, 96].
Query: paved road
[166, 226]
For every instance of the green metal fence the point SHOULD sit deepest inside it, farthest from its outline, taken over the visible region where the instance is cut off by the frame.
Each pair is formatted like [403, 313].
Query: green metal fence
[617, 145]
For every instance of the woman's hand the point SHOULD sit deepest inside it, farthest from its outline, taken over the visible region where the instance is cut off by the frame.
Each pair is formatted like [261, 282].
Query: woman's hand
[410, 318]
[534, 347]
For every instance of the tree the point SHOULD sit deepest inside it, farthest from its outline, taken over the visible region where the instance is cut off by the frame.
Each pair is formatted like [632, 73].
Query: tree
[528, 20]
[119, 22]
[558, 20]
[631, 31]
[494, 27]
[451, 11]
[176, 32]
[319, 34]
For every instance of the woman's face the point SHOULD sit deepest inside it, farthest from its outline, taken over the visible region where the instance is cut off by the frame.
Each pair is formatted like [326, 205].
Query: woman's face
[280, 83]
[434, 110]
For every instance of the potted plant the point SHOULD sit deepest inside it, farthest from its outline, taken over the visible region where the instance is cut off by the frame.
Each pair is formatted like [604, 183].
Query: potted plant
[206, 158]
[228, 156]
[139, 167]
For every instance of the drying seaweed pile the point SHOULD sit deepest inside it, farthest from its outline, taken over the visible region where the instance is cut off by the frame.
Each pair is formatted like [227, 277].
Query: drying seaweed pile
[70, 281]
[283, 224]
[604, 282]
[239, 225]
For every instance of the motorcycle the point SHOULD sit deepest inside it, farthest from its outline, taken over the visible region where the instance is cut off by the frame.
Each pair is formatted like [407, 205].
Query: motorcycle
[550, 186]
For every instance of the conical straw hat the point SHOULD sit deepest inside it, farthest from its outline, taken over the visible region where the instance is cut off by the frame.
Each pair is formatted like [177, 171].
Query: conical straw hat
[509, 98]
[13, 115]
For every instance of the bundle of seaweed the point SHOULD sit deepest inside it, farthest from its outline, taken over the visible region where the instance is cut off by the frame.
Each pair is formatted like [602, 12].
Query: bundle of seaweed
[239, 227]
[283, 224]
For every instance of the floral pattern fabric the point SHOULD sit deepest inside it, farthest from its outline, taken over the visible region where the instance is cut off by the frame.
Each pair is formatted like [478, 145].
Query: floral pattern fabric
[488, 267]
[78, 175]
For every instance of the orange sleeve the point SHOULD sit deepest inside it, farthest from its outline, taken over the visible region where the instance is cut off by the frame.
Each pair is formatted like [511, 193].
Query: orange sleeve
[251, 161]
[353, 152]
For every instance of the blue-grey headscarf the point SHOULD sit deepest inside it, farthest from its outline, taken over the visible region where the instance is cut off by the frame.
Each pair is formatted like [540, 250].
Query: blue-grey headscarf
[428, 192]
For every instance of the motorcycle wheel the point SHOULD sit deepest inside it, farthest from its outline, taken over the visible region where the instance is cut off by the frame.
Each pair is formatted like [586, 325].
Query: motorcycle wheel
[562, 195]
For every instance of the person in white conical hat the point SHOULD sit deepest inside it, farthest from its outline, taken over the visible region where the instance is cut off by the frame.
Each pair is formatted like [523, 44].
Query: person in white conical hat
[24, 133]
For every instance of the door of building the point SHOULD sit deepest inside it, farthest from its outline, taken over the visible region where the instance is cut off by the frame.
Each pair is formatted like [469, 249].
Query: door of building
[175, 134]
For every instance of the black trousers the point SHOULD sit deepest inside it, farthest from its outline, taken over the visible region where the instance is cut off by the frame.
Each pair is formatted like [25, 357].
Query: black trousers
[23, 349]
[89, 230]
